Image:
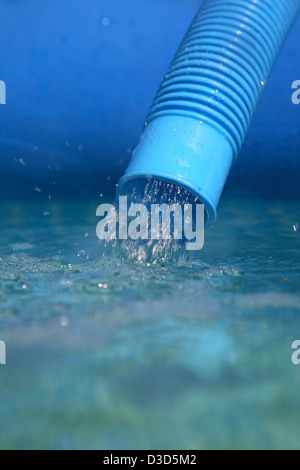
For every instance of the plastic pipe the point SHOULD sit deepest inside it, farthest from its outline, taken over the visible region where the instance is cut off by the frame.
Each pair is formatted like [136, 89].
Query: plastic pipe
[200, 116]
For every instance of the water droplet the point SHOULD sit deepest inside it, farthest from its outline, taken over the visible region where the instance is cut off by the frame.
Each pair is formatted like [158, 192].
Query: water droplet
[64, 320]
[102, 286]
[66, 283]
[105, 21]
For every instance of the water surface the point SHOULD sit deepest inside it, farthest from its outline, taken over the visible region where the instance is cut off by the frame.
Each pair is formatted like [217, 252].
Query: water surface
[108, 353]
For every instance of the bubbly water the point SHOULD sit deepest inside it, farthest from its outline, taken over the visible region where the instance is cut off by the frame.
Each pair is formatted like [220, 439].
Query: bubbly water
[110, 352]
[162, 249]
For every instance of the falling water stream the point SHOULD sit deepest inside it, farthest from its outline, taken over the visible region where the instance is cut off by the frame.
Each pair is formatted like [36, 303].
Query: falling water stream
[159, 244]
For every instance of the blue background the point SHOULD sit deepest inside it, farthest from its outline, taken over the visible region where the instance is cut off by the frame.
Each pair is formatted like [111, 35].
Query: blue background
[78, 92]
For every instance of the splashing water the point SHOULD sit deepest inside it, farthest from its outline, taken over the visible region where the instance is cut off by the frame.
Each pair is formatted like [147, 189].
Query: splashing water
[161, 244]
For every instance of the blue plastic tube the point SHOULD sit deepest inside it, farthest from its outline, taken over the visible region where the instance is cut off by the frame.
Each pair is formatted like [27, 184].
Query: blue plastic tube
[201, 113]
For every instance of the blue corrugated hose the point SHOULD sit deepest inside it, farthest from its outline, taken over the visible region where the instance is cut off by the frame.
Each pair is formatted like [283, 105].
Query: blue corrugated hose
[199, 118]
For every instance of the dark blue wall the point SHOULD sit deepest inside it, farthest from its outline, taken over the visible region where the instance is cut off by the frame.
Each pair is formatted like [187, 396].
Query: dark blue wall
[79, 87]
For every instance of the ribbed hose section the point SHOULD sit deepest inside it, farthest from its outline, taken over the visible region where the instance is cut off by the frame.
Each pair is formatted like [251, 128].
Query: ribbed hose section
[223, 64]
[200, 115]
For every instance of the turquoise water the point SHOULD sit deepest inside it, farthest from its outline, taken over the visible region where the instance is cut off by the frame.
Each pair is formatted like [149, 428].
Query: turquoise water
[104, 353]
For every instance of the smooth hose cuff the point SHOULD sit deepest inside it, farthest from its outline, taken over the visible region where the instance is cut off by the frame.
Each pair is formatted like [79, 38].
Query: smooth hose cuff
[186, 152]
